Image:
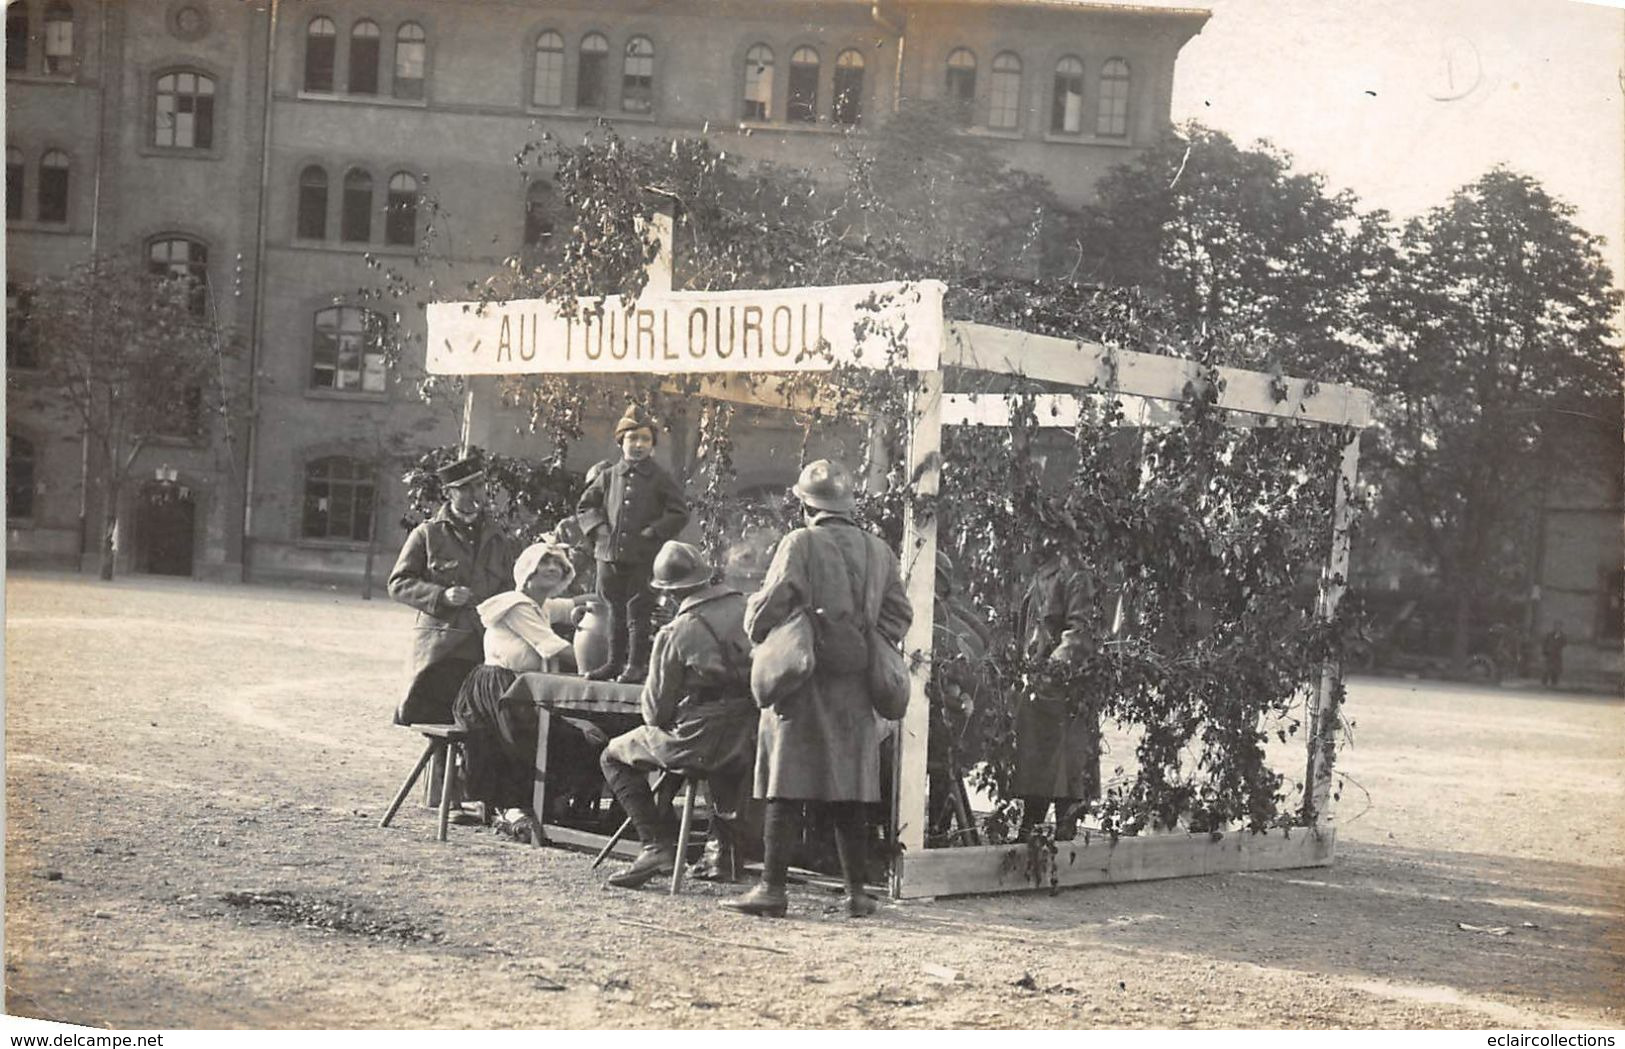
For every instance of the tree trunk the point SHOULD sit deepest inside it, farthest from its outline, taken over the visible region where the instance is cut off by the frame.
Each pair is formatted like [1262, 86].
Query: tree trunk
[1461, 633]
[109, 528]
[372, 549]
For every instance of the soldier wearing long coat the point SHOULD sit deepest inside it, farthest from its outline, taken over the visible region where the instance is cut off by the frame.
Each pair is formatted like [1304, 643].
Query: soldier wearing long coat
[822, 744]
[1057, 735]
[448, 565]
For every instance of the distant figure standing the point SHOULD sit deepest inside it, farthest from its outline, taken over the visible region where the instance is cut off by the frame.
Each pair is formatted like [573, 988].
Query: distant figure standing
[1551, 647]
[449, 564]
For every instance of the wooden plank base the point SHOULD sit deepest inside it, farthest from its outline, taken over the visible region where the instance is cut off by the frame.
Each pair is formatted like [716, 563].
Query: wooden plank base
[1011, 868]
[570, 838]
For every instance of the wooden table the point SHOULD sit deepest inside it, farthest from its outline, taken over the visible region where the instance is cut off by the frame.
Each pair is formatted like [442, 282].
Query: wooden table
[605, 702]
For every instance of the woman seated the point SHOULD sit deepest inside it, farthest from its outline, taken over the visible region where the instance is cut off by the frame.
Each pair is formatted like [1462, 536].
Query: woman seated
[500, 747]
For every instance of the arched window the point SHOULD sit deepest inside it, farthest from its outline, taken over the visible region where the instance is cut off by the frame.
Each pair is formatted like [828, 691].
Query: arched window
[365, 49]
[59, 57]
[1066, 107]
[591, 64]
[183, 107]
[1112, 117]
[53, 186]
[355, 219]
[401, 210]
[183, 259]
[339, 497]
[411, 60]
[312, 204]
[1004, 101]
[848, 107]
[19, 476]
[19, 335]
[321, 48]
[758, 82]
[548, 88]
[961, 85]
[17, 38]
[638, 76]
[541, 205]
[348, 350]
[802, 105]
[14, 183]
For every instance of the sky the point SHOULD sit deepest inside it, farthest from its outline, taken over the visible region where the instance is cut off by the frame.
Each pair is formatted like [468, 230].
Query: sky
[1404, 101]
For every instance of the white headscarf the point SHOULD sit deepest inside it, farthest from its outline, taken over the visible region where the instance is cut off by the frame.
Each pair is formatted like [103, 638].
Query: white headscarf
[533, 556]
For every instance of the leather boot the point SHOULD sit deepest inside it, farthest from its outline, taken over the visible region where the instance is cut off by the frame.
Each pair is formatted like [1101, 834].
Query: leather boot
[655, 859]
[617, 647]
[764, 901]
[851, 841]
[639, 643]
[717, 864]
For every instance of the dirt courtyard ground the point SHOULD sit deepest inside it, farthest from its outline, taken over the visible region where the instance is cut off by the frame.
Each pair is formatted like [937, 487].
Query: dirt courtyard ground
[171, 744]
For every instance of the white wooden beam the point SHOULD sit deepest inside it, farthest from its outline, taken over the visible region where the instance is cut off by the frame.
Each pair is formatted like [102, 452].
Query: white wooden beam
[1322, 724]
[1099, 861]
[984, 347]
[919, 558]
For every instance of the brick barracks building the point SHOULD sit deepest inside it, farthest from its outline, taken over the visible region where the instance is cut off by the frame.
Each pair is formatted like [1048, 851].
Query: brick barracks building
[266, 146]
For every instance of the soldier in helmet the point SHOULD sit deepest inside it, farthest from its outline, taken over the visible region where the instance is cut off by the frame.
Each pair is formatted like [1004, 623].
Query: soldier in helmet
[821, 747]
[627, 511]
[698, 716]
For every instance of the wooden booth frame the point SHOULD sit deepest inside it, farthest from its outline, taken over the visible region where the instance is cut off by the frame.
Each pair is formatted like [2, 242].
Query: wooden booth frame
[920, 872]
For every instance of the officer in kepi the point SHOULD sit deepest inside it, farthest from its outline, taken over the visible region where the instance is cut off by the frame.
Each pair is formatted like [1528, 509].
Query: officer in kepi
[449, 564]
[698, 717]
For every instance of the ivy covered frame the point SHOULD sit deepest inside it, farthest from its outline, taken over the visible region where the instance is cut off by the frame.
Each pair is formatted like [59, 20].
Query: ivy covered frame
[1086, 367]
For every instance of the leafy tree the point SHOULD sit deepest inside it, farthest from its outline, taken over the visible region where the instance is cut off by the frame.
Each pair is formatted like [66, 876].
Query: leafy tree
[124, 355]
[1237, 241]
[1499, 352]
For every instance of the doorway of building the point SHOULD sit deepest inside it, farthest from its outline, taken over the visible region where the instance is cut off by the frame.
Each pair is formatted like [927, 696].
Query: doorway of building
[166, 522]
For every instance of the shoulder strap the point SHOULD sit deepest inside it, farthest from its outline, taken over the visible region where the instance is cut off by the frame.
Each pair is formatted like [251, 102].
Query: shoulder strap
[860, 601]
[725, 648]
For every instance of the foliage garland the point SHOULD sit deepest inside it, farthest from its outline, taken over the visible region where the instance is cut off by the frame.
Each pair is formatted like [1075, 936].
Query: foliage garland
[1212, 536]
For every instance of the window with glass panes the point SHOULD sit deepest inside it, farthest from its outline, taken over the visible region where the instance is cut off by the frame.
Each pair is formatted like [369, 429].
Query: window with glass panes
[1004, 94]
[59, 39]
[961, 83]
[591, 64]
[312, 203]
[348, 350]
[801, 107]
[758, 82]
[339, 496]
[53, 186]
[182, 258]
[184, 111]
[540, 204]
[1066, 107]
[411, 60]
[638, 76]
[355, 216]
[17, 38]
[366, 48]
[14, 183]
[1112, 119]
[19, 476]
[401, 210]
[321, 52]
[848, 104]
[548, 89]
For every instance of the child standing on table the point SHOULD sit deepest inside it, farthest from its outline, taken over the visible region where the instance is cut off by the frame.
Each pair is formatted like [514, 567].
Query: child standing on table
[629, 511]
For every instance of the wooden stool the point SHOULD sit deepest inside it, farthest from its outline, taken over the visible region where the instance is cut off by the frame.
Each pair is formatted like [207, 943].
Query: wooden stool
[445, 742]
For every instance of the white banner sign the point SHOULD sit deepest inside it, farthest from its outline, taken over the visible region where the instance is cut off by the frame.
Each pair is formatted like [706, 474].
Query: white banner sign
[792, 329]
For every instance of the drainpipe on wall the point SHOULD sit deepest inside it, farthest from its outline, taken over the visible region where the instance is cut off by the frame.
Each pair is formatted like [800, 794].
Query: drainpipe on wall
[95, 245]
[257, 316]
[896, 29]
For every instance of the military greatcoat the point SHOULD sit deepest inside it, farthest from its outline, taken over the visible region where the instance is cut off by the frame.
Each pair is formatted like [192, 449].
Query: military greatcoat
[823, 743]
[439, 554]
[1057, 751]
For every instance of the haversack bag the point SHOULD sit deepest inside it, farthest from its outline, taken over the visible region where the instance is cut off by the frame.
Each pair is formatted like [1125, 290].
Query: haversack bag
[783, 663]
[888, 680]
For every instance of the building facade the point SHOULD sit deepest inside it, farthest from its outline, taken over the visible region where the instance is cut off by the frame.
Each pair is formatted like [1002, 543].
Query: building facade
[271, 148]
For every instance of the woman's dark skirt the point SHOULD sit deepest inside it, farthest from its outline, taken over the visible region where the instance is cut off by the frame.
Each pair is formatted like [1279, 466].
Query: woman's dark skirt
[501, 743]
